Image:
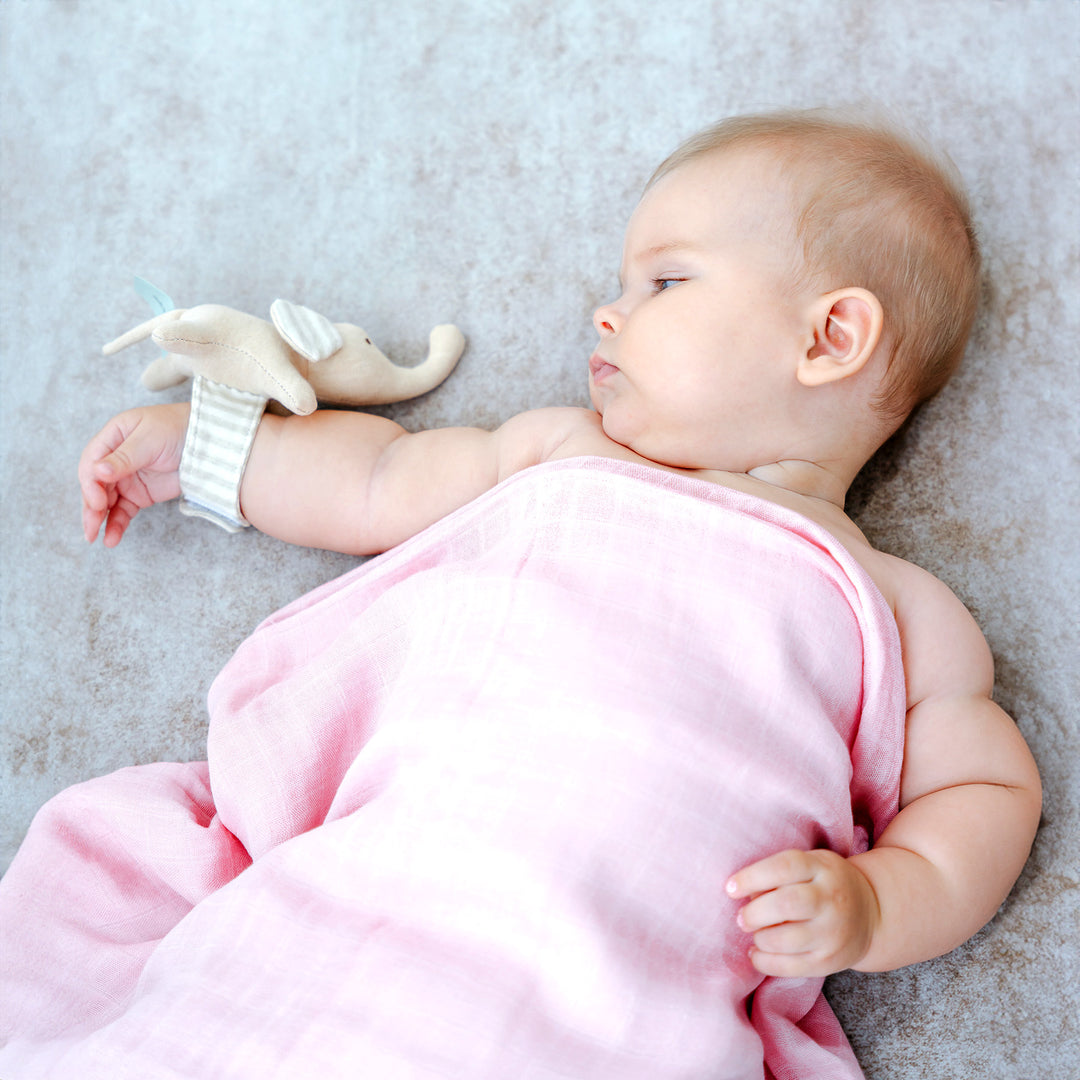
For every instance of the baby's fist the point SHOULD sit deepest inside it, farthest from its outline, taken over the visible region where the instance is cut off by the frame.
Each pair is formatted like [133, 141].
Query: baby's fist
[810, 912]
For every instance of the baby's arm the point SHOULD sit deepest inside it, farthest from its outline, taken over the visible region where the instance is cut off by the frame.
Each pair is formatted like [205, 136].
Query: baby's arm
[970, 801]
[358, 483]
[346, 481]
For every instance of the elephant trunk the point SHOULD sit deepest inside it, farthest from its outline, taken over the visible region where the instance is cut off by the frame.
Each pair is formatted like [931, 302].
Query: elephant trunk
[361, 372]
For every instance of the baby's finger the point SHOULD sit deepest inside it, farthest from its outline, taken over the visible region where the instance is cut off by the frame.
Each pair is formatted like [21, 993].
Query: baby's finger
[120, 517]
[91, 522]
[788, 904]
[787, 939]
[91, 486]
[94, 495]
[790, 965]
[122, 462]
[117, 450]
[107, 439]
[99, 467]
[786, 868]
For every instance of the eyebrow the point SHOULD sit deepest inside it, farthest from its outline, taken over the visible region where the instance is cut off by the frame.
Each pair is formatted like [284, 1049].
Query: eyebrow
[666, 249]
[669, 247]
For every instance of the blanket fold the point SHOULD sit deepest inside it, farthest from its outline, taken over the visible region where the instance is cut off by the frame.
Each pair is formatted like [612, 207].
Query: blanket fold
[473, 808]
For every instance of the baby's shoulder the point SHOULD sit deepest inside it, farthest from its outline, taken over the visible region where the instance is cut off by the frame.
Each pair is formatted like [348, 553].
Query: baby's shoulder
[941, 643]
[539, 435]
[912, 592]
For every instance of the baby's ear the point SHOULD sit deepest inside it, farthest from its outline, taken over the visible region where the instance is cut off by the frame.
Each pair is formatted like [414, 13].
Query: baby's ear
[847, 327]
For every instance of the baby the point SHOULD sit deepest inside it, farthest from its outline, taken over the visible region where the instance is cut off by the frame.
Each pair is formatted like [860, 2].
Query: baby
[792, 285]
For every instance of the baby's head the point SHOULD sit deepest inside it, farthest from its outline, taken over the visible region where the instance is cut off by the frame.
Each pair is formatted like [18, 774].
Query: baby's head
[793, 285]
[874, 207]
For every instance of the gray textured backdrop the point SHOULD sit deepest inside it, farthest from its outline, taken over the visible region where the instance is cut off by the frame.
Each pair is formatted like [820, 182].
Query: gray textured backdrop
[406, 163]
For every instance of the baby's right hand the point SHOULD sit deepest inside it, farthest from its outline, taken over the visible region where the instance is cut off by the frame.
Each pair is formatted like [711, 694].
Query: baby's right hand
[132, 463]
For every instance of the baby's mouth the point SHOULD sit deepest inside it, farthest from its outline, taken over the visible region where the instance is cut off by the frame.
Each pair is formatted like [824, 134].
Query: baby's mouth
[600, 369]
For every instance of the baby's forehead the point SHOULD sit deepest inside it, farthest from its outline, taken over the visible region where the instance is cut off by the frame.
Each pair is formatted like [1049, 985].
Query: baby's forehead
[718, 197]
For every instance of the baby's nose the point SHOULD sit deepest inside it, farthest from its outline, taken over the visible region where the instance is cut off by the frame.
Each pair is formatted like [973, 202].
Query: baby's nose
[604, 319]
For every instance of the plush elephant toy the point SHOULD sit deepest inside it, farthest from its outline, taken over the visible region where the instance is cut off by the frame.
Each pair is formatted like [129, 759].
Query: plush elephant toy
[298, 360]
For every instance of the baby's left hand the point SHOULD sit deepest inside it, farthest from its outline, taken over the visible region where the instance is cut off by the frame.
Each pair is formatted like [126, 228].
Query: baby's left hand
[811, 912]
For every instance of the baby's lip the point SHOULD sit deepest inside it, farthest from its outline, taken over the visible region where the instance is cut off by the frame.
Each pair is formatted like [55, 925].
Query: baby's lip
[600, 368]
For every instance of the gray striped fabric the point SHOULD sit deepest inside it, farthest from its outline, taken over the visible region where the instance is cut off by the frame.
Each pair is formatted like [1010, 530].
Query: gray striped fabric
[219, 436]
[312, 335]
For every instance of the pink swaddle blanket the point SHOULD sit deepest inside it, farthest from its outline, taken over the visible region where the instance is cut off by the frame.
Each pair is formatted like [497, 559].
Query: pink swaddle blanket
[473, 808]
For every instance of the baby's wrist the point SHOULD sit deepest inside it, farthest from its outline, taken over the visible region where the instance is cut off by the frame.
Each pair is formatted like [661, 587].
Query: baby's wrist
[221, 428]
[867, 935]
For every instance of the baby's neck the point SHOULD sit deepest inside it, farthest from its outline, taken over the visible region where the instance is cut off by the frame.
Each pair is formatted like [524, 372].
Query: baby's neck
[806, 478]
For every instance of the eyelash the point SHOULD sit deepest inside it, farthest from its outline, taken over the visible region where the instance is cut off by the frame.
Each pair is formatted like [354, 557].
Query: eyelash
[659, 285]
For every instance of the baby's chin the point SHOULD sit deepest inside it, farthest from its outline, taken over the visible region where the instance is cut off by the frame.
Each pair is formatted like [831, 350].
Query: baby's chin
[630, 436]
[667, 452]
[599, 398]
[626, 424]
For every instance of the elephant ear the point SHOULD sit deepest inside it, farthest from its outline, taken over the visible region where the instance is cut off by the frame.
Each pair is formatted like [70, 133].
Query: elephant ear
[307, 332]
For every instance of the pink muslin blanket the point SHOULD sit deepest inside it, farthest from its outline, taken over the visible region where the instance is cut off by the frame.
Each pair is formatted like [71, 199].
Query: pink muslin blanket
[469, 811]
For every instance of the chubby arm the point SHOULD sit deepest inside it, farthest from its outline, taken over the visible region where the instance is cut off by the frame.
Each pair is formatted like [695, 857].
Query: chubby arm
[970, 794]
[970, 801]
[345, 481]
[359, 483]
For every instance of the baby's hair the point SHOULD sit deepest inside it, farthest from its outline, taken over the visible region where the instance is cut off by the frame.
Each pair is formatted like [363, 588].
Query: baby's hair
[877, 209]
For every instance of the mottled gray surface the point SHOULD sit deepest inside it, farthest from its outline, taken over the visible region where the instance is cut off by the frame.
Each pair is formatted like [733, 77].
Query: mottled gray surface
[402, 164]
